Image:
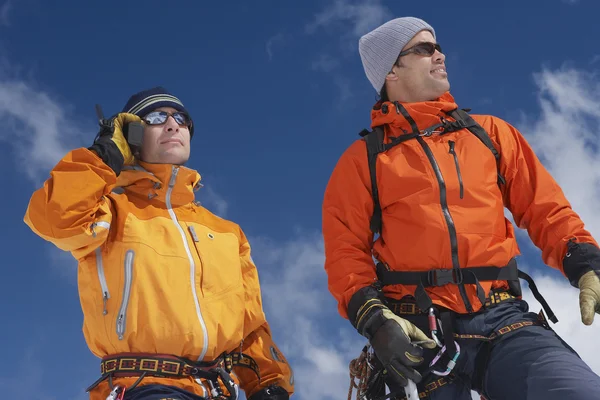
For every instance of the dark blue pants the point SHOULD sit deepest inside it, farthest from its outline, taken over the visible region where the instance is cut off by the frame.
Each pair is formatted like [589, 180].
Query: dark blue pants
[160, 392]
[530, 363]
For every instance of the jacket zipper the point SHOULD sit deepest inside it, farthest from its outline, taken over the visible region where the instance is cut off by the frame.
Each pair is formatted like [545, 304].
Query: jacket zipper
[453, 152]
[102, 279]
[122, 318]
[190, 258]
[449, 220]
[100, 266]
[195, 239]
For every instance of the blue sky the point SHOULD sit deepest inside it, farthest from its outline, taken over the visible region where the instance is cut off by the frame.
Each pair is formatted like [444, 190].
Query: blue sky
[277, 91]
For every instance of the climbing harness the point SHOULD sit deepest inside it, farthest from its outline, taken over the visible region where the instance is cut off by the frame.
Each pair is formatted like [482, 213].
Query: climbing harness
[216, 373]
[370, 372]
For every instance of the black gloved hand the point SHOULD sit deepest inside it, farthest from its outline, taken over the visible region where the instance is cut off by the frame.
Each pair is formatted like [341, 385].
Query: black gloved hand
[272, 392]
[389, 335]
[392, 345]
[111, 143]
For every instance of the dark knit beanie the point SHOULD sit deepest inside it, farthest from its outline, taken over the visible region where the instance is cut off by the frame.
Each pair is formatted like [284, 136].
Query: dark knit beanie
[149, 100]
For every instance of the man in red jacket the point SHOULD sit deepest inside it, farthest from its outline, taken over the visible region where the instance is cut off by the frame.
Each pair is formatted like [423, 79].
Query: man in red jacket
[424, 194]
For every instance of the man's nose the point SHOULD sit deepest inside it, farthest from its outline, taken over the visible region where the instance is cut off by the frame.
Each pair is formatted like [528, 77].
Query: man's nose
[172, 124]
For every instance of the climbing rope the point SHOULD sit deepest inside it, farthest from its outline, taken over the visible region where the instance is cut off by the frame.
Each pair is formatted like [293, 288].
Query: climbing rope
[359, 374]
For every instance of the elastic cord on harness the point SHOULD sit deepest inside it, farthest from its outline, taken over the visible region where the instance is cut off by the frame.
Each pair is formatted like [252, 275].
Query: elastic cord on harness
[538, 296]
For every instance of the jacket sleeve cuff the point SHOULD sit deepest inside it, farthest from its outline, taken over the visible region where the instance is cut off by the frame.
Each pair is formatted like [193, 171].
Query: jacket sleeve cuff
[365, 311]
[272, 392]
[580, 258]
[108, 151]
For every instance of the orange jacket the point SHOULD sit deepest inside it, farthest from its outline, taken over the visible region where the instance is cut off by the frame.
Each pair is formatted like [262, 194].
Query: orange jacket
[415, 231]
[158, 273]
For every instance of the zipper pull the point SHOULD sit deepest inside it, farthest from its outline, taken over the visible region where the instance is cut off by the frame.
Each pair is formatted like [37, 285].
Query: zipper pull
[119, 326]
[452, 151]
[104, 301]
[173, 177]
[193, 233]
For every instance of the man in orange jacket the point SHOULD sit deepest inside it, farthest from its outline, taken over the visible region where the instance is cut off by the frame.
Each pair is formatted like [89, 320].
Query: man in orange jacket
[418, 248]
[169, 292]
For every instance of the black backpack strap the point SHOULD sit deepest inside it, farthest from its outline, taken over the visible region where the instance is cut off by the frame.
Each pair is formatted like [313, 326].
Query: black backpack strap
[480, 133]
[374, 140]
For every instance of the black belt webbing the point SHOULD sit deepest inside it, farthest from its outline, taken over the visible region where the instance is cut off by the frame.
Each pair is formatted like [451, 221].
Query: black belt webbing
[467, 275]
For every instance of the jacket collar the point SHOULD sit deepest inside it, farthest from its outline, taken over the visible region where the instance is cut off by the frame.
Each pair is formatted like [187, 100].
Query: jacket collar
[160, 182]
[425, 114]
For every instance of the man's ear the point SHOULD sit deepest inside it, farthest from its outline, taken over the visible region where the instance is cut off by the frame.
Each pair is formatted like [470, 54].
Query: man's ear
[391, 76]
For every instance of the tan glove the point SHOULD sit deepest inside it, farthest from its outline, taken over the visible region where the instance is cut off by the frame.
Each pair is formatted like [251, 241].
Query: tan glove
[589, 296]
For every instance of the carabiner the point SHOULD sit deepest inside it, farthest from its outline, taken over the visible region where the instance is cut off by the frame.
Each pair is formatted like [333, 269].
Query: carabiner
[433, 326]
[451, 364]
[116, 394]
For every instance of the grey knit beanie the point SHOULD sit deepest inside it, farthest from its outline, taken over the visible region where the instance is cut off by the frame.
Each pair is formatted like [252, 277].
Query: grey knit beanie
[379, 48]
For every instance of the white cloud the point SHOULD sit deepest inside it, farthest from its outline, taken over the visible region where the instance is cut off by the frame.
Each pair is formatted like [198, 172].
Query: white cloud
[274, 40]
[28, 369]
[325, 63]
[213, 201]
[4, 11]
[565, 136]
[318, 343]
[345, 20]
[361, 15]
[62, 262]
[37, 126]
[564, 301]
[29, 378]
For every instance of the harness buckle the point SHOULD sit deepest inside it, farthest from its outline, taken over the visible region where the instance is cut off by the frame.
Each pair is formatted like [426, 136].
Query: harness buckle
[441, 277]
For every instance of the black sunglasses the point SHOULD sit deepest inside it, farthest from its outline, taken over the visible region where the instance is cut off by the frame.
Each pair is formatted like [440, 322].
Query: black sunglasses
[160, 117]
[422, 49]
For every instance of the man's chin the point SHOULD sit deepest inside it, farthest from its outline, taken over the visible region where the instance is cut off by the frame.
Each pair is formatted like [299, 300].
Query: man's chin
[175, 159]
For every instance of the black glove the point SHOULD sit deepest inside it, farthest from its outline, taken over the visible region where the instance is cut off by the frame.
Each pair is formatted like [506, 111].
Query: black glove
[582, 267]
[272, 392]
[389, 335]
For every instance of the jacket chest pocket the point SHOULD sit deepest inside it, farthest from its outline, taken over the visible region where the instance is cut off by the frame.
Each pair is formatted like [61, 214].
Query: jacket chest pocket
[219, 254]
